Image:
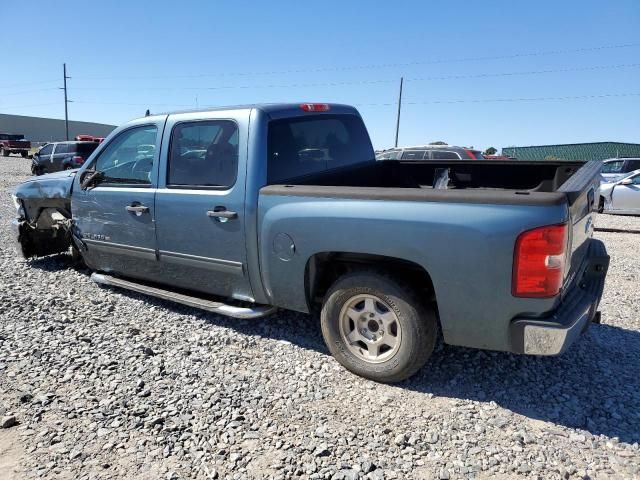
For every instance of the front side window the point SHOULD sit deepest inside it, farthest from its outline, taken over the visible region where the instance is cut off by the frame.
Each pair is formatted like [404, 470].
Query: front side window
[613, 167]
[305, 145]
[204, 154]
[123, 162]
[46, 150]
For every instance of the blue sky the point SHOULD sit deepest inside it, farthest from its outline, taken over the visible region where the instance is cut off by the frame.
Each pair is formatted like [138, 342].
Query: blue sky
[126, 55]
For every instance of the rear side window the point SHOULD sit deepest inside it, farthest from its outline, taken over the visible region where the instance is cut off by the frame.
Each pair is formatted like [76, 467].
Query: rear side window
[414, 155]
[613, 167]
[306, 145]
[204, 154]
[633, 165]
[444, 155]
[85, 149]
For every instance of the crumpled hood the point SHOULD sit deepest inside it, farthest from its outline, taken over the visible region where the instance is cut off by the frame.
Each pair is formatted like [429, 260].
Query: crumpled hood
[51, 185]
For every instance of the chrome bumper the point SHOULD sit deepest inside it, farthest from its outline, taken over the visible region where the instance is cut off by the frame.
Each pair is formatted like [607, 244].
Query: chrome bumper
[555, 333]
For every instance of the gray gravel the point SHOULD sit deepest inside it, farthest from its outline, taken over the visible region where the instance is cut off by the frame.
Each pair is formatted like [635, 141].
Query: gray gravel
[106, 384]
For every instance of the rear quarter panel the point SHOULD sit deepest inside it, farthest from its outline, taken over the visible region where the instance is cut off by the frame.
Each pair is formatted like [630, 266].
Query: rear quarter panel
[467, 249]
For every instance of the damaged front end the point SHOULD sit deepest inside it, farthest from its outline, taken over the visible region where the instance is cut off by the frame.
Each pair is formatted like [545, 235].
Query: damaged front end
[43, 225]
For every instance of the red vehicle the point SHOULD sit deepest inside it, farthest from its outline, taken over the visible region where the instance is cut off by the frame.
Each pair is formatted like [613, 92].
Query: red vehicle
[498, 157]
[88, 138]
[14, 143]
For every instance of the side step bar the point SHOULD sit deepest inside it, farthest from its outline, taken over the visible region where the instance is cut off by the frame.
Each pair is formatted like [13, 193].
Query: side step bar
[216, 307]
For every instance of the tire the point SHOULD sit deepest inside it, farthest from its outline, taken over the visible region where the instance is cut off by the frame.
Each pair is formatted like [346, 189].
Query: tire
[601, 205]
[24, 154]
[67, 167]
[3, 152]
[394, 349]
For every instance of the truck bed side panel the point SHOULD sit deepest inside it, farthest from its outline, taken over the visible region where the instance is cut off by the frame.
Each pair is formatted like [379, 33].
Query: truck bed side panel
[467, 249]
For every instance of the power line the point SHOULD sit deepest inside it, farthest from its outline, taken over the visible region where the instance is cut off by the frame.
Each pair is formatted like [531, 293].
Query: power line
[21, 92]
[370, 82]
[379, 65]
[504, 100]
[12, 107]
[14, 85]
[426, 102]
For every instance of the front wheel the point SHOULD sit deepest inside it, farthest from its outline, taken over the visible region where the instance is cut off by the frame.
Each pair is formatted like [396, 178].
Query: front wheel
[377, 327]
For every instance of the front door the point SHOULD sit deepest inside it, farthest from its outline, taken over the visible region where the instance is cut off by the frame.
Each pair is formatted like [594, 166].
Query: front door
[60, 151]
[115, 217]
[627, 197]
[200, 206]
[43, 158]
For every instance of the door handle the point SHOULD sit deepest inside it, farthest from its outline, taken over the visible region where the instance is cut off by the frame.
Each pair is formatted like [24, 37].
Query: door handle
[137, 209]
[221, 214]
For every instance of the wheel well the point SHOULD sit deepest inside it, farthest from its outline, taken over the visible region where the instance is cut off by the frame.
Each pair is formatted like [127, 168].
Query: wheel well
[323, 269]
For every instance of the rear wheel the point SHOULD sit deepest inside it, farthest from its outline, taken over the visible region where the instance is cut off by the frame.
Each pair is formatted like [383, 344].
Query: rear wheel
[4, 152]
[377, 327]
[601, 205]
[24, 154]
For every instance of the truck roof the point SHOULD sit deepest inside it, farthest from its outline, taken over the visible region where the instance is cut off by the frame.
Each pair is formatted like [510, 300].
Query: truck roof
[273, 109]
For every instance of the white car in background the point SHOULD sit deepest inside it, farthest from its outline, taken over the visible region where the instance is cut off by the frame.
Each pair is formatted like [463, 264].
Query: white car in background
[621, 196]
[618, 168]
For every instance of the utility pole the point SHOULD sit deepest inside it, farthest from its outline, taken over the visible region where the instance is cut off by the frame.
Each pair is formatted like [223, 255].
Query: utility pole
[399, 106]
[66, 101]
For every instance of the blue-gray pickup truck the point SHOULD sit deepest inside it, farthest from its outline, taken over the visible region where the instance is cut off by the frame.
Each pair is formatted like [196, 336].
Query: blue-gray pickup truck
[244, 210]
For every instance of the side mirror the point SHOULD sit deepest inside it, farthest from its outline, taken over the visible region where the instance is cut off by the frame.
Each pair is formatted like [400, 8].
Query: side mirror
[90, 178]
[626, 181]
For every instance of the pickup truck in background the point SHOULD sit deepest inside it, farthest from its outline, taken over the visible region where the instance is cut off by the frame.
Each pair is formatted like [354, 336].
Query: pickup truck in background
[244, 210]
[14, 143]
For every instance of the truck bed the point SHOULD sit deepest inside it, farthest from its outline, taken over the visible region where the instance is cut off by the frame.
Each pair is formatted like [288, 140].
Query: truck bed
[470, 181]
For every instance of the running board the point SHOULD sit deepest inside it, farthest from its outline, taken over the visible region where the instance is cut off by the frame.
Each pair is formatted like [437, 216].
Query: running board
[216, 307]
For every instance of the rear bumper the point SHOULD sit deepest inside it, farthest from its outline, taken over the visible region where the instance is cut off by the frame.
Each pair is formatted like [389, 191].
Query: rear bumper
[553, 334]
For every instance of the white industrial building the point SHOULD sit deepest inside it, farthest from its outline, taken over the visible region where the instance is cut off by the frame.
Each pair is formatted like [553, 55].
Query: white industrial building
[42, 130]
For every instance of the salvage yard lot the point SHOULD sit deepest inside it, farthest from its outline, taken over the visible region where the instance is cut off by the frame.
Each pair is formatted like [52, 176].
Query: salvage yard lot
[109, 384]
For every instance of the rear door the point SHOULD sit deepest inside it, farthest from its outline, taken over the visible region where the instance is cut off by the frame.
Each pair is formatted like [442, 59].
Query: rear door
[200, 204]
[115, 219]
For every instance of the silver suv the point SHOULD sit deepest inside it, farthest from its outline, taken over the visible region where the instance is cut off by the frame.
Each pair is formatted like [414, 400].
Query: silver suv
[430, 152]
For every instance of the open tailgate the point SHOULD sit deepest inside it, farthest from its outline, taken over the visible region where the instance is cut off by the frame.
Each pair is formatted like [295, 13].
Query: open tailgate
[581, 190]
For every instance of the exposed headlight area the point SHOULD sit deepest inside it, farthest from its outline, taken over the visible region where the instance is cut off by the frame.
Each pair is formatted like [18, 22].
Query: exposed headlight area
[18, 204]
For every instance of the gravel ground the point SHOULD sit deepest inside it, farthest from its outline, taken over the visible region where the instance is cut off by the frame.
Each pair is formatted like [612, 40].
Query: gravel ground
[106, 384]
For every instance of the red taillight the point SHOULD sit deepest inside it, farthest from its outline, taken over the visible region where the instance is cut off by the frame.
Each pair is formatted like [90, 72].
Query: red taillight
[315, 107]
[539, 260]
[78, 160]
